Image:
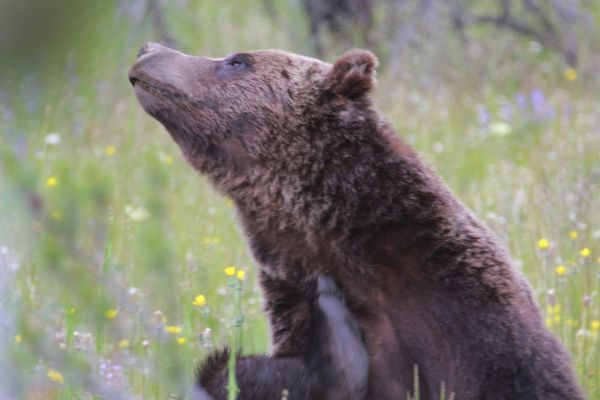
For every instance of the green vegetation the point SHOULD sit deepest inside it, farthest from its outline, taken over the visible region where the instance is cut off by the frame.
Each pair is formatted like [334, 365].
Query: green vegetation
[120, 268]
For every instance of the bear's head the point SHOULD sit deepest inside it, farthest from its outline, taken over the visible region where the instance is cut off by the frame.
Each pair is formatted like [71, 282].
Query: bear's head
[253, 111]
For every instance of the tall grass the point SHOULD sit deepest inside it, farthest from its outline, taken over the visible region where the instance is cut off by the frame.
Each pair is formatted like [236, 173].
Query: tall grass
[116, 257]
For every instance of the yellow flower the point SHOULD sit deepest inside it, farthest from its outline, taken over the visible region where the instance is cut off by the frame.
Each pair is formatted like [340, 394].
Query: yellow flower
[55, 376]
[51, 181]
[598, 260]
[585, 252]
[230, 271]
[110, 150]
[56, 215]
[173, 329]
[241, 275]
[570, 74]
[111, 314]
[123, 344]
[181, 340]
[573, 235]
[560, 270]
[212, 240]
[543, 243]
[552, 310]
[199, 300]
[18, 339]
[595, 325]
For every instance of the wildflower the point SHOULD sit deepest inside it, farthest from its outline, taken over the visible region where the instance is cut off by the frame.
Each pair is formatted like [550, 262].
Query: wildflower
[553, 314]
[160, 317]
[543, 244]
[56, 215]
[570, 74]
[52, 139]
[230, 271]
[552, 297]
[207, 338]
[551, 310]
[110, 150]
[123, 344]
[111, 314]
[136, 214]
[583, 333]
[199, 300]
[241, 275]
[18, 339]
[55, 376]
[595, 325]
[212, 240]
[500, 129]
[560, 270]
[51, 182]
[181, 340]
[573, 235]
[173, 329]
[585, 252]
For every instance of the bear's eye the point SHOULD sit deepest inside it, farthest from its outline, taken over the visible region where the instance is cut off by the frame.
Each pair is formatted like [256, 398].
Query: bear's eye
[235, 62]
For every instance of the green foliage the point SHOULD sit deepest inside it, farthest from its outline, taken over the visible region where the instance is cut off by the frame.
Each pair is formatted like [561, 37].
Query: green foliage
[107, 237]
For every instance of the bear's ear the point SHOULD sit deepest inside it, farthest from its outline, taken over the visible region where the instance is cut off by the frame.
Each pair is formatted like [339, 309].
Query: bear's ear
[353, 74]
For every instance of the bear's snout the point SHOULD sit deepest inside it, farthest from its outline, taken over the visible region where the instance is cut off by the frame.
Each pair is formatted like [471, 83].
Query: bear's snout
[151, 47]
[148, 52]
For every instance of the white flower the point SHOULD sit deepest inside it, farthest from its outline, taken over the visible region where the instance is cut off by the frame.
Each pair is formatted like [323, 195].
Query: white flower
[500, 129]
[52, 139]
[136, 213]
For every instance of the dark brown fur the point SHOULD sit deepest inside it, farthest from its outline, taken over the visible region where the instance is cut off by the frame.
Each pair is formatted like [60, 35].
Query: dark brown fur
[334, 366]
[322, 184]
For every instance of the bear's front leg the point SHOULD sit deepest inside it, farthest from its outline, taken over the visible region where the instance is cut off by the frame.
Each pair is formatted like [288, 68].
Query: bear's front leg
[288, 311]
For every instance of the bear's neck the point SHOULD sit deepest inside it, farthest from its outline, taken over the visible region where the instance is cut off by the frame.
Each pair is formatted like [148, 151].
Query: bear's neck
[364, 182]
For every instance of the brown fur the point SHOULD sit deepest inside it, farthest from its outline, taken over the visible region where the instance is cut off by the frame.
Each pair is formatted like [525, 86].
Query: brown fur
[334, 367]
[322, 184]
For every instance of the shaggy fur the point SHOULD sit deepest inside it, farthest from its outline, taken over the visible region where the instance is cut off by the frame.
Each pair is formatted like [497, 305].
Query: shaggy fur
[322, 184]
[334, 367]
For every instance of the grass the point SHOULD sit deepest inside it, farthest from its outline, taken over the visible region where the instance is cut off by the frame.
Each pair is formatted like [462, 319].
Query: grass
[108, 238]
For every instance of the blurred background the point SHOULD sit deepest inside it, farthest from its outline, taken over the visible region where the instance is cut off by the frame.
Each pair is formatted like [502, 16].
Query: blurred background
[120, 268]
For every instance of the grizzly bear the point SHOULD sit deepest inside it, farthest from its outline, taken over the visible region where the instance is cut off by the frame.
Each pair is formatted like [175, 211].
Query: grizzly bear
[335, 365]
[323, 185]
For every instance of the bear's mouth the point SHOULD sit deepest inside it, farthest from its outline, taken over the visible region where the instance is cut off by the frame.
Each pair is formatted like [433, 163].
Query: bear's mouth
[153, 96]
[133, 80]
[153, 88]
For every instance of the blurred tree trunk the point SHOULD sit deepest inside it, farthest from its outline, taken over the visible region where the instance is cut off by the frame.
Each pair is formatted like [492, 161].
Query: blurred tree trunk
[544, 21]
[340, 18]
[156, 11]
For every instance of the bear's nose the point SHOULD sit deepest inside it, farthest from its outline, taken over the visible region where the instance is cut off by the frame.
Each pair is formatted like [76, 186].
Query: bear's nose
[150, 47]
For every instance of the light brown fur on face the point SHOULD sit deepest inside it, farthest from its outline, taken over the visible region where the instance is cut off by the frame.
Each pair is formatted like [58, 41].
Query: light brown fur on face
[322, 184]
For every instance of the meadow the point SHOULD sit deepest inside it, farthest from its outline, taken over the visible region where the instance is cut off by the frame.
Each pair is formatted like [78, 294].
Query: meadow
[121, 268]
